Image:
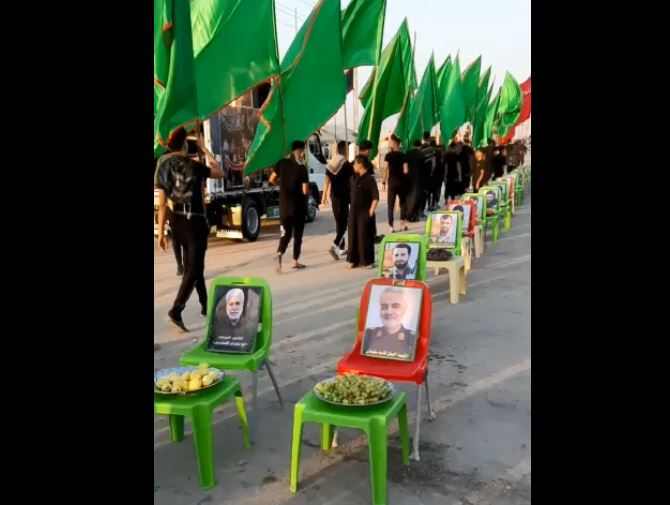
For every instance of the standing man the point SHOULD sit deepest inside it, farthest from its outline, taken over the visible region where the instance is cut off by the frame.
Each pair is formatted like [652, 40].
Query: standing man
[453, 179]
[467, 160]
[414, 160]
[429, 164]
[364, 148]
[293, 188]
[339, 172]
[180, 180]
[395, 173]
[364, 200]
[438, 176]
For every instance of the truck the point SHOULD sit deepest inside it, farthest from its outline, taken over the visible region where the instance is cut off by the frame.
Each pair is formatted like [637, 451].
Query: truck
[236, 204]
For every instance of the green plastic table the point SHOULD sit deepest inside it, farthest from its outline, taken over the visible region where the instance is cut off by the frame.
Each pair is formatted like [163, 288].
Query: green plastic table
[198, 407]
[374, 421]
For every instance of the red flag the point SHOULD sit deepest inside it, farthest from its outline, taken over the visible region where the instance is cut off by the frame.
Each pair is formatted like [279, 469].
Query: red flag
[525, 111]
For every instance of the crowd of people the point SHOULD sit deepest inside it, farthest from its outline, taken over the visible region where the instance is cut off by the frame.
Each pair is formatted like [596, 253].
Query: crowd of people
[413, 181]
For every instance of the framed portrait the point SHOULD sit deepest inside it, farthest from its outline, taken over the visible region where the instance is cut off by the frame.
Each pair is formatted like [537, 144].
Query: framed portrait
[492, 198]
[401, 260]
[444, 229]
[465, 211]
[235, 320]
[392, 322]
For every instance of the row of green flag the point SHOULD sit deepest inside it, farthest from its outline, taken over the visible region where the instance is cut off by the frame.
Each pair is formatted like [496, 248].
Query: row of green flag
[196, 74]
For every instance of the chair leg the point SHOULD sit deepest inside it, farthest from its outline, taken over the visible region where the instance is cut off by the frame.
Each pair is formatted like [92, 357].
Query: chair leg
[430, 415]
[274, 383]
[403, 425]
[295, 450]
[454, 288]
[378, 451]
[327, 431]
[241, 411]
[204, 446]
[462, 284]
[254, 404]
[176, 428]
[417, 429]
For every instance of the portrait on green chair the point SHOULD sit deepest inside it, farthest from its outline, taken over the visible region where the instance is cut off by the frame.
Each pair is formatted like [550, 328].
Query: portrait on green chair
[392, 321]
[492, 200]
[235, 319]
[443, 229]
[465, 214]
[400, 260]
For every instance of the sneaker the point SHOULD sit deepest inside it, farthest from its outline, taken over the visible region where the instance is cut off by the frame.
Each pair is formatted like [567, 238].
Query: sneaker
[180, 271]
[342, 252]
[278, 263]
[177, 321]
[333, 250]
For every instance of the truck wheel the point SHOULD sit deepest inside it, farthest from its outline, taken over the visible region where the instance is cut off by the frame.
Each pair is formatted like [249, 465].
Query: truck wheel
[251, 221]
[311, 209]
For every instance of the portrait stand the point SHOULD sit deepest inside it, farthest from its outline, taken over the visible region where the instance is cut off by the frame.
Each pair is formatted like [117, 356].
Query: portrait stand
[407, 238]
[454, 266]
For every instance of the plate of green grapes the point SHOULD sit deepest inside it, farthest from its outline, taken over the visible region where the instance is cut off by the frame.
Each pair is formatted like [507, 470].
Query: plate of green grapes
[352, 390]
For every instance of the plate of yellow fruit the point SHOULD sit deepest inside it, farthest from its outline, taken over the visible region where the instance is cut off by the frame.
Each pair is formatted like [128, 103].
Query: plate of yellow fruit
[183, 380]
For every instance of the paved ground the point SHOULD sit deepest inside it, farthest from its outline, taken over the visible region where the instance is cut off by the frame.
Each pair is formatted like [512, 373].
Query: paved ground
[476, 452]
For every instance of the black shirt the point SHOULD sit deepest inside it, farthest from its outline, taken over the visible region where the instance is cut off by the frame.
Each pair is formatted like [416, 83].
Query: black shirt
[363, 192]
[340, 183]
[464, 158]
[451, 160]
[181, 178]
[498, 165]
[292, 175]
[396, 160]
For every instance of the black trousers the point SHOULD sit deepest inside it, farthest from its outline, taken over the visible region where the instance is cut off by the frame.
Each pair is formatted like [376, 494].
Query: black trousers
[192, 234]
[291, 226]
[400, 193]
[362, 232]
[341, 213]
[177, 248]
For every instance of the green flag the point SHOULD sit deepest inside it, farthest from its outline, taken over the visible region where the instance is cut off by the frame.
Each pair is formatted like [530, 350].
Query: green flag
[408, 56]
[175, 98]
[489, 121]
[309, 90]
[362, 31]
[235, 49]
[510, 104]
[471, 88]
[423, 111]
[452, 113]
[442, 78]
[483, 97]
[390, 93]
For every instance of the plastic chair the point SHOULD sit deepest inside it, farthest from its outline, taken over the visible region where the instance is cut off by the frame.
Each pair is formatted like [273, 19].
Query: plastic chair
[469, 220]
[493, 219]
[374, 421]
[456, 265]
[510, 180]
[415, 372]
[407, 238]
[198, 407]
[251, 362]
[480, 222]
[506, 207]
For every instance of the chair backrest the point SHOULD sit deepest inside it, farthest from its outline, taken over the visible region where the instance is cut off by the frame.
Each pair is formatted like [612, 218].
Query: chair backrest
[492, 196]
[423, 338]
[509, 180]
[221, 284]
[468, 212]
[417, 255]
[504, 188]
[481, 203]
[436, 239]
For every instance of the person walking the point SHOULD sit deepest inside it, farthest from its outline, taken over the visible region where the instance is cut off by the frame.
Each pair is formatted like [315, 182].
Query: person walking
[180, 179]
[454, 176]
[293, 189]
[339, 172]
[364, 200]
[395, 175]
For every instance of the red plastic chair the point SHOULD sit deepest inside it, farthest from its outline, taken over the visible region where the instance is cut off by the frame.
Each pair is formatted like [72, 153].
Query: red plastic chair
[399, 371]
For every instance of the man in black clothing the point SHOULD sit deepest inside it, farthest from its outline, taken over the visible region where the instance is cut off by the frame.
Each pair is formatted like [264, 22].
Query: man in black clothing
[180, 179]
[438, 176]
[498, 163]
[415, 162]
[395, 173]
[429, 163]
[293, 188]
[364, 148]
[339, 172]
[466, 157]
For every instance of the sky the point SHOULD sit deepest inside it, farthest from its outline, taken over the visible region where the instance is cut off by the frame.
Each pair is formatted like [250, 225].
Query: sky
[498, 30]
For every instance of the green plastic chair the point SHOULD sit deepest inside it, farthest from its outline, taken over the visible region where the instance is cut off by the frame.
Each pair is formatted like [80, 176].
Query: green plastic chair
[198, 407]
[374, 421]
[494, 220]
[481, 216]
[506, 209]
[250, 362]
[408, 238]
[457, 249]
[518, 188]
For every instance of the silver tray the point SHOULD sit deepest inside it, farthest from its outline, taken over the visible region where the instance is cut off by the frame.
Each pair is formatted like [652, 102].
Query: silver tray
[389, 397]
[180, 370]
